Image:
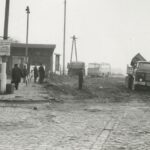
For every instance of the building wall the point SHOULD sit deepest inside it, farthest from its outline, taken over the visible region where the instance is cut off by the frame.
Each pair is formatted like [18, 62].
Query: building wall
[36, 55]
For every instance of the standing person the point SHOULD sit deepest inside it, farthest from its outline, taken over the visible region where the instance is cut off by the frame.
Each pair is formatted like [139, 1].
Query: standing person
[35, 73]
[80, 77]
[16, 76]
[41, 73]
[24, 73]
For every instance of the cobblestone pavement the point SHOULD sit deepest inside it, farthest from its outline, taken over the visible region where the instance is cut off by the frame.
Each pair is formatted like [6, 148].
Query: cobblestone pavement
[132, 131]
[57, 127]
[30, 92]
[72, 125]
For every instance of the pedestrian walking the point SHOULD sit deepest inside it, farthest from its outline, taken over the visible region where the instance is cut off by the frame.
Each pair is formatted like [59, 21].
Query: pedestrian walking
[35, 73]
[80, 78]
[24, 74]
[16, 76]
[41, 74]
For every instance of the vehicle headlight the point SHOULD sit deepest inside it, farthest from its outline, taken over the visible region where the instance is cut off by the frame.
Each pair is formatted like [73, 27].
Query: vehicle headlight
[140, 79]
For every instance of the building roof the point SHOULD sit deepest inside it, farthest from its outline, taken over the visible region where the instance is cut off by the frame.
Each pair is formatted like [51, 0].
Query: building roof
[23, 45]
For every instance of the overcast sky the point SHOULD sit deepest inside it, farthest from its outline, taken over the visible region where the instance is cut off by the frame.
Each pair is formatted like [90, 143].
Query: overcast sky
[110, 31]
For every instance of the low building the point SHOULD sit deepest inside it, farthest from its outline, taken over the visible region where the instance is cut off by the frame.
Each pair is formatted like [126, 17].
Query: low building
[37, 54]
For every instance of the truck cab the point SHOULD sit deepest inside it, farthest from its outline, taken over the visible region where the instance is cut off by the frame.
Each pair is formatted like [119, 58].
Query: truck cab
[138, 75]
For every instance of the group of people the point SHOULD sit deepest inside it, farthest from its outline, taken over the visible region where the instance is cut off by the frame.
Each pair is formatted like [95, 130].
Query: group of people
[18, 73]
[39, 73]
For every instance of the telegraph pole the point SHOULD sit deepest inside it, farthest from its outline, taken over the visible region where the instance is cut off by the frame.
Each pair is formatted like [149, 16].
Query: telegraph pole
[64, 37]
[5, 37]
[27, 34]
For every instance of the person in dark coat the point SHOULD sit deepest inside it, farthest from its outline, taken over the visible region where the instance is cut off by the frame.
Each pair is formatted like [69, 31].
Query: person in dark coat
[35, 74]
[80, 77]
[41, 74]
[16, 76]
[24, 73]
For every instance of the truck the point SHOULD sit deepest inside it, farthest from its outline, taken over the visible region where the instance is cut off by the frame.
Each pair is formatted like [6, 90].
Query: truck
[93, 70]
[105, 69]
[75, 67]
[99, 69]
[138, 73]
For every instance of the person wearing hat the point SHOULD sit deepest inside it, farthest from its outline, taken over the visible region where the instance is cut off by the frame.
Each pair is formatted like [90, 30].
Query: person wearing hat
[16, 76]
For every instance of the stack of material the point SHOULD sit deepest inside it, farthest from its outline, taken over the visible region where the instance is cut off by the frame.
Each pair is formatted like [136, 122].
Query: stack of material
[136, 58]
[75, 67]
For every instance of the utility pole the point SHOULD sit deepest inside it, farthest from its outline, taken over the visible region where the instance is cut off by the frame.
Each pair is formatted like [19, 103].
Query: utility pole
[27, 34]
[4, 58]
[64, 37]
[5, 37]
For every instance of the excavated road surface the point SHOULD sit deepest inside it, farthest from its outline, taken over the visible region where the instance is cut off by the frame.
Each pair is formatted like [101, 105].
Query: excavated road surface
[111, 118]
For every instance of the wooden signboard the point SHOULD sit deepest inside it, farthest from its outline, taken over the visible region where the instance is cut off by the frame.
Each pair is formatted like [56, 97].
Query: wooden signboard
[4, 48]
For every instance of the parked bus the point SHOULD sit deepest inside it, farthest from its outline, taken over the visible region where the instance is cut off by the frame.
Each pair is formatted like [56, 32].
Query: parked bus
[93, 69]
[105, 69]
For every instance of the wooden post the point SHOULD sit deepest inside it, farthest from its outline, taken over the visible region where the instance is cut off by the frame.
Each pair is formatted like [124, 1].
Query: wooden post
[4, 58]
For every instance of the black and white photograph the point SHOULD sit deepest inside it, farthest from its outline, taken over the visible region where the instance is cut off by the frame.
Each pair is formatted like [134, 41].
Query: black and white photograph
[75, 75]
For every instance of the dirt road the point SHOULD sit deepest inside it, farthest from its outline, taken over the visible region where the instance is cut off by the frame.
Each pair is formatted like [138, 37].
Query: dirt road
[103, 116]
[100, 89]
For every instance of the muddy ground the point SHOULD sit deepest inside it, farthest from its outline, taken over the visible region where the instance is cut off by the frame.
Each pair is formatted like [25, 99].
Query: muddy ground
[104, 90]
[104, 115]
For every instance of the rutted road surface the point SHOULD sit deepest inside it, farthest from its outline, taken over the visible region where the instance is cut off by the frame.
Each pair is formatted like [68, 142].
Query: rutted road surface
[104, 116]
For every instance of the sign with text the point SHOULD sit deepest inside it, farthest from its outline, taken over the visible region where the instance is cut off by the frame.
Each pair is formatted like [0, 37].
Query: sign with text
[4, 42]
[5, 50]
